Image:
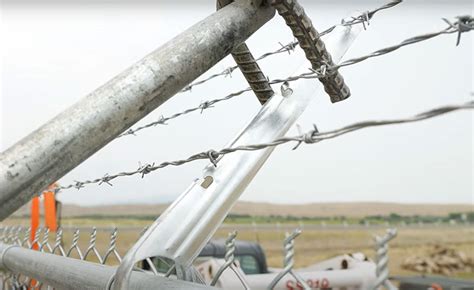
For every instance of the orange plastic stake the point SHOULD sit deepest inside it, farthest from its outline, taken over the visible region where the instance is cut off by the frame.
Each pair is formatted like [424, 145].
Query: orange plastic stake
[50, 211]
[35, 220]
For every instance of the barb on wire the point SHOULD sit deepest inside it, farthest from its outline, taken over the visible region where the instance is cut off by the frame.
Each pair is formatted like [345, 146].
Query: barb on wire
[464, 24]
[203, 106]
[362, 19]
[311, 137]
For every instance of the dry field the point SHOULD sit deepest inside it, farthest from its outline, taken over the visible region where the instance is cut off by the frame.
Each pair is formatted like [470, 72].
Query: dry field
[312, 246]
[316, 245]
[349, 209]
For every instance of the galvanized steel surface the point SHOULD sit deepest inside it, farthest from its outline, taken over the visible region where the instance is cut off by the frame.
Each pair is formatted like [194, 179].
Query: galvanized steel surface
[71, 137]
[68, 273]
[200, 210]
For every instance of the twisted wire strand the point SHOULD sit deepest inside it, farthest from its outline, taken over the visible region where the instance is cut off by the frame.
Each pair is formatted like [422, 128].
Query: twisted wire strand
[112, 248]
[92, 246]
[228, 258]
[75, 246]
[288, 261]
[361, 19]
[310, 137]
[58, 243]
[464, 24]
[381, 270]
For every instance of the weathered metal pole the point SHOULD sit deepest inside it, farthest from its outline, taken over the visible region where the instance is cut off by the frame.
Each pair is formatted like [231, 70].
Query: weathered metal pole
[54, 149]
[68, 273]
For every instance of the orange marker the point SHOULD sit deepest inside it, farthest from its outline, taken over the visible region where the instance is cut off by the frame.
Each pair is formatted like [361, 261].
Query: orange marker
[35, 219]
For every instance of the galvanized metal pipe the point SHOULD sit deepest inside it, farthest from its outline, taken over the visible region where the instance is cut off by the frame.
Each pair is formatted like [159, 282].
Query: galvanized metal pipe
[68, 139]
[68, 273]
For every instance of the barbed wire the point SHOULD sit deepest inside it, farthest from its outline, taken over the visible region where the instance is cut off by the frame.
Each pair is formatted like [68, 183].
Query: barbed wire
[311, 137]
[464, 24]
[203, 106]
[361, 19]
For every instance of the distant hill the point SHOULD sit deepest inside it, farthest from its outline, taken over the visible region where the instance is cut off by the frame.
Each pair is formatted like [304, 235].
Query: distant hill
[356, 210]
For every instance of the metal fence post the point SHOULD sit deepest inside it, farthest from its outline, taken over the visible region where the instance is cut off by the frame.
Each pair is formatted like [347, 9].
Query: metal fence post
[74, 135]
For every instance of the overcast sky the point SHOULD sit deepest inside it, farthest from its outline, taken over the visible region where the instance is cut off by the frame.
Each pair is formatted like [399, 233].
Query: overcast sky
[53, 54]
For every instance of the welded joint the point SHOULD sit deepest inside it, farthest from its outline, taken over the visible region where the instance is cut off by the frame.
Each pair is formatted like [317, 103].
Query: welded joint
[310, 41]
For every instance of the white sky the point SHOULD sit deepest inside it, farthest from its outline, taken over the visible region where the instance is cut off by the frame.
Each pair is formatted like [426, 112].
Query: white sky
[54, 54]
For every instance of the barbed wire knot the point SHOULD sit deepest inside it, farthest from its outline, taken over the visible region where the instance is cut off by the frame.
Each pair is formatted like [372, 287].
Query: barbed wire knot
[106, 179]
[308, 138]
[205, 105]
[464, 24]
[78, 184]
[161, 121]
[145, 169]
[322, 71]
[228, 71]
[130, 132]
[213, 155]
[290, 47]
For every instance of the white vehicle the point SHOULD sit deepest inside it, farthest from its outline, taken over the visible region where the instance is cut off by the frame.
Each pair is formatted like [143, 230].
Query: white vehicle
[250, 260]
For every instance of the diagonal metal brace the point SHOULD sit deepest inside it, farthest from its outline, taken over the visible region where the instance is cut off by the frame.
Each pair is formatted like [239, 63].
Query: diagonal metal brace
[183, 230]
[249, 67]
[314, 48]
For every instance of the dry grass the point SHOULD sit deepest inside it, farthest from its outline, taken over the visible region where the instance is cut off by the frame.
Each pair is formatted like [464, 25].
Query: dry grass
[348, 209]
[316, 245]
[313, 245]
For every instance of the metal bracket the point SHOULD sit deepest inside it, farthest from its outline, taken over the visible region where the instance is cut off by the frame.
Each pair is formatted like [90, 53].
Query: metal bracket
[314, 48]
[249, 67]
[181, 232]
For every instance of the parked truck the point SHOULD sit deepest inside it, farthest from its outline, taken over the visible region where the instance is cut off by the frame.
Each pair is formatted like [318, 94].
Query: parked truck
[336, 273]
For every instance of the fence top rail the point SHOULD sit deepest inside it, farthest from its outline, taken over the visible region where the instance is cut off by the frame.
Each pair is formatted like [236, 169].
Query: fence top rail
[62, 272]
